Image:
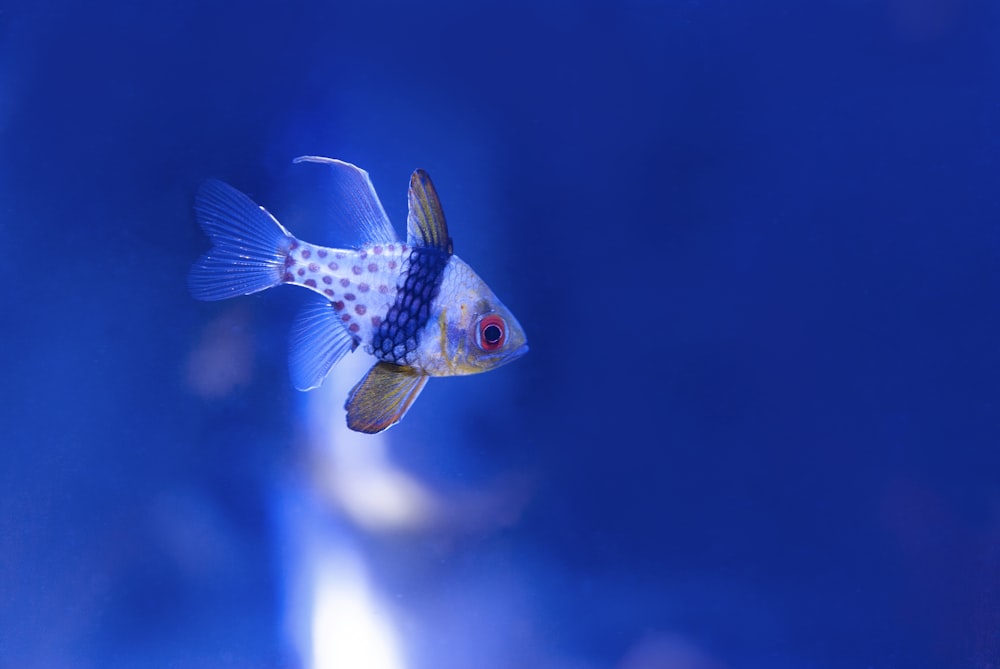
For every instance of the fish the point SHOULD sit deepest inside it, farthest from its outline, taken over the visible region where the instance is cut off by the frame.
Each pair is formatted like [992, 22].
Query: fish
[413, 305]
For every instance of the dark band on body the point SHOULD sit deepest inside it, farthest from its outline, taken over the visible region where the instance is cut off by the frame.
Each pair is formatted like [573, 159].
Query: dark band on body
[396, 339]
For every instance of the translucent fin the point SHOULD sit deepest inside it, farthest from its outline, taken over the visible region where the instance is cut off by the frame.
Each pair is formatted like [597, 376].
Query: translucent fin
[318, 341]
[249, 246]
[383, 397]
[355, 204]
[425, 224]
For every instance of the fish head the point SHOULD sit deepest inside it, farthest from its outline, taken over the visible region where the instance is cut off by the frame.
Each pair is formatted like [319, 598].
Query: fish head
[473, 331]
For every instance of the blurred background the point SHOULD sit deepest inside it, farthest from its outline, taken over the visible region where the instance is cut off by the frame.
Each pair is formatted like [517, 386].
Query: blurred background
[755, 248]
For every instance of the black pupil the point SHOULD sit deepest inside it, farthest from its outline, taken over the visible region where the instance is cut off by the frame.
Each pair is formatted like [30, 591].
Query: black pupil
[492, 334]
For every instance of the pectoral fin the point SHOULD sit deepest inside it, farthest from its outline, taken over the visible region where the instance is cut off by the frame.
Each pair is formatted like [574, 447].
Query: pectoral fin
[382, 398]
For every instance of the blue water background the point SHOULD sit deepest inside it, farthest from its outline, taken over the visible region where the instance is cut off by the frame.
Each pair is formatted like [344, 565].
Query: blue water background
[754, 245]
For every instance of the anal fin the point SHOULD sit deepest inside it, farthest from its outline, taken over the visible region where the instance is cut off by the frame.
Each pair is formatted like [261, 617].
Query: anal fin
[382, 398]
[318, 341]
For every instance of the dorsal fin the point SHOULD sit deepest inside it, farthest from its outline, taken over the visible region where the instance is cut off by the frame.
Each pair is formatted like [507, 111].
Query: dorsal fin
[425, 224]
[354, 206]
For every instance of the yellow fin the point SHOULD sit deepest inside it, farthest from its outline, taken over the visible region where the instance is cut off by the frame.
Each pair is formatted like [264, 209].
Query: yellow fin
[383, 397]
[425, 224]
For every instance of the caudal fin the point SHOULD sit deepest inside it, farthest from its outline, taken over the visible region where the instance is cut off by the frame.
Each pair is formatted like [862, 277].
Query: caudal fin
[249, 246]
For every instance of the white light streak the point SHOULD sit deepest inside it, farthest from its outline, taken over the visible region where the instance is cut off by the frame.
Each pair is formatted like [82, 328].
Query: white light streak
[350, 629]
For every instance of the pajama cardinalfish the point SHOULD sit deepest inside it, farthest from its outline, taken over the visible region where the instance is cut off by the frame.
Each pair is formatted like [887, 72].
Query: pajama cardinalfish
[414, 305]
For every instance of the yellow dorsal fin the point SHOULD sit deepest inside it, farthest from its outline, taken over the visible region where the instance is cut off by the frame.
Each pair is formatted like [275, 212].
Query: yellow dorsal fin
[425, 224]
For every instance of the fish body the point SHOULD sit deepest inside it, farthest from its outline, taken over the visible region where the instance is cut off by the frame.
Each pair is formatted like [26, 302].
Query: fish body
[413, 305]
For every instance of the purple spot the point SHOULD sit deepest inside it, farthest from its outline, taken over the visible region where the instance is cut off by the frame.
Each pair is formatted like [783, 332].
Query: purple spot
[345, 317]
[348, 296]
[376, 321]
[360, 309]
[345, 282]
[302, 271]
[321, 253]
[362, 287]
[313, 267]
[338, 305]
[363, 254]
[353, 327]
[356, 269]
[311, 283]
[333, 266]
[391, 248]
[288, 277]
[383, 289]
[377, 250]
[392, 264]
[372, 267]
[306, 253]
[328, 292]
[327, 280]
[294, 245]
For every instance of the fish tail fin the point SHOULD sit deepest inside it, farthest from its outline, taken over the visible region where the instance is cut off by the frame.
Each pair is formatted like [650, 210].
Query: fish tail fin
[249, 246]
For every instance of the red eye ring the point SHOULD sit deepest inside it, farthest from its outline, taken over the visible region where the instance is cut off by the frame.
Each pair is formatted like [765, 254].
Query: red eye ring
[492, 332]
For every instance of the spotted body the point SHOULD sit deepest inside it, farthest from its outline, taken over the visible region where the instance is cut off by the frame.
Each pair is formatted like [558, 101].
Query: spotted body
[414, 305]
[359, 284]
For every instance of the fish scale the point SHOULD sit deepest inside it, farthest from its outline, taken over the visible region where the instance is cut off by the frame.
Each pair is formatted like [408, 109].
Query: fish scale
[396, 340]
[414, 305]
[361, 285]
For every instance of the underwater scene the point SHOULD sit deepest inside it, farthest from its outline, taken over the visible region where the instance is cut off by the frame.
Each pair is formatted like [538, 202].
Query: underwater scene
[631, 334]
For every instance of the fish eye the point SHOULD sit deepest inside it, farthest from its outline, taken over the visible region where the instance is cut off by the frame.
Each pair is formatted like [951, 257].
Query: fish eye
[492, 332]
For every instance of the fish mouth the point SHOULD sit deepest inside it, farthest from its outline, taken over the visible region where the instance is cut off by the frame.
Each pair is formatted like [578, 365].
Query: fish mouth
[518, 352]
[502, 358]
[483, 361]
